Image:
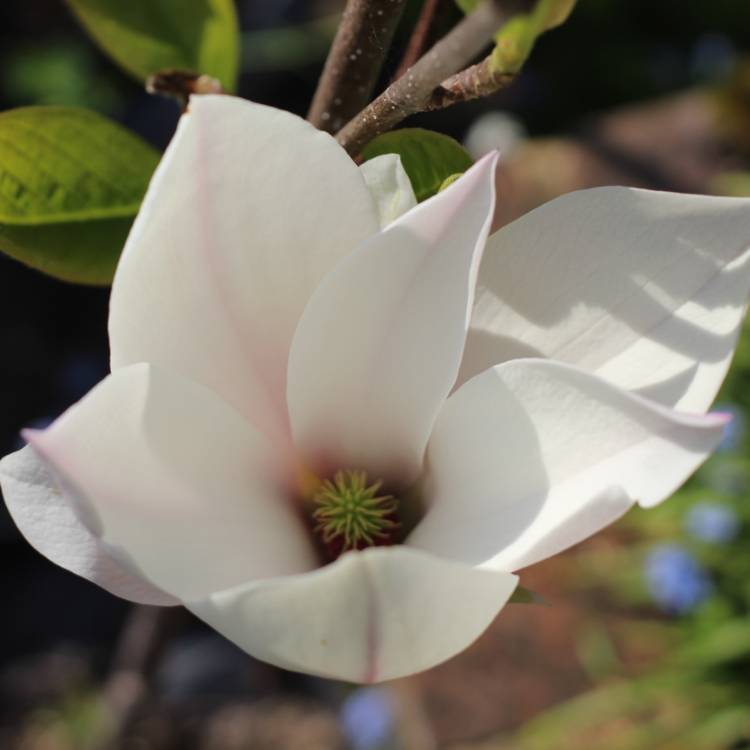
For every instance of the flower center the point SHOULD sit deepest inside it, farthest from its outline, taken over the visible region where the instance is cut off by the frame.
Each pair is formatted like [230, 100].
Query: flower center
[351, 513]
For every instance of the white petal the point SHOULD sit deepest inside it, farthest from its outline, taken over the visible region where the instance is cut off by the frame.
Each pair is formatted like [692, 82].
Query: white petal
[175, 483]
[46, 516]
[390, 187]
[646, 289]
[378, 347]
[533, 456]
[374, 615]
[248, 210]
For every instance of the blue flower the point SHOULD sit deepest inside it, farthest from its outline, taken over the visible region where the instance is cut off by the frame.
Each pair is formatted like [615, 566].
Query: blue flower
[712, 522]
[675, 579]
[367, 718]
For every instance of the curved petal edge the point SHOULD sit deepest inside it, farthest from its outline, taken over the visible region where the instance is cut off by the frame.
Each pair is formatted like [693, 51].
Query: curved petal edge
[378, 346]
[47, 517]
[533, 456]
[249, 208]
[374, 615]
[176, 482]
[647, 289]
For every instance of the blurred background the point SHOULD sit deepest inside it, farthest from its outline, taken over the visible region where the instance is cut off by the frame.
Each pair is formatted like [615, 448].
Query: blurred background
[643, 636]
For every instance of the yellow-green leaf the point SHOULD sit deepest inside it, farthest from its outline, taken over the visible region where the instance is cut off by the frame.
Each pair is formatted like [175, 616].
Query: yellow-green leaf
[146, 36]
[71, 182]
[82, 252]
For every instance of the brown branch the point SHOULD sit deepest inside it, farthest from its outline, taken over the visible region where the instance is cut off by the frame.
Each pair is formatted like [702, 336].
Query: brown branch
[418, 41]
[474, 82]
[142, 640]
[355, 61]
[413, 92]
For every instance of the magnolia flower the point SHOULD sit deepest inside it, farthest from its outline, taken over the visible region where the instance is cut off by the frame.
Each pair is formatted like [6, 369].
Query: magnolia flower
[333, 431]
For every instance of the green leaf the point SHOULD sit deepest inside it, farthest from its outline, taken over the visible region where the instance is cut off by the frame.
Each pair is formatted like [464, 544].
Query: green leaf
[71, 182]
[428, 158]
[69, 164]
[153, 35]
[83, 252]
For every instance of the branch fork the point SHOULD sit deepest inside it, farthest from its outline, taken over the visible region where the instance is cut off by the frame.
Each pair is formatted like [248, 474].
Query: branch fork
[431, 83]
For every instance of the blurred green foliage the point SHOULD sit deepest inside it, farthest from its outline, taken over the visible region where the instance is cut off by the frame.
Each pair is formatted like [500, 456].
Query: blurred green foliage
[61, 72]
[144, 38]
[285, 47]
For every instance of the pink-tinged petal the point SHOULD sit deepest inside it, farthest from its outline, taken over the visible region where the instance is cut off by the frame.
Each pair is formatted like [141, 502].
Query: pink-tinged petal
[46, 515]
[533, 456]
[378, 347]
[374, 615]
[176, 483]
[646, 289]
[248, 210]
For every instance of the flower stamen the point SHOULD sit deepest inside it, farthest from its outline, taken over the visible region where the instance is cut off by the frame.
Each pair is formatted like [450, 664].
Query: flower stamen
[351, 512]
